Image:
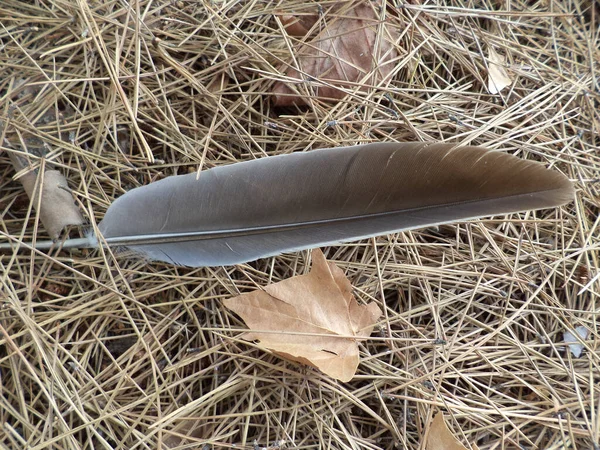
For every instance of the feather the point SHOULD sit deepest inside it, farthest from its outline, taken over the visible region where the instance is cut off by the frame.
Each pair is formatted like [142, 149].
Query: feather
[249, 210]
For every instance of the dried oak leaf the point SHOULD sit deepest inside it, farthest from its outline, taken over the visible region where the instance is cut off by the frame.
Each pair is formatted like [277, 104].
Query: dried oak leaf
[440, 437]
[320, 302]
[354, 46]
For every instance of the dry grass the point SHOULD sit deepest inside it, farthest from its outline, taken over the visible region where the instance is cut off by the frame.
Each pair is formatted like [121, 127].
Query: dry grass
[100, 352]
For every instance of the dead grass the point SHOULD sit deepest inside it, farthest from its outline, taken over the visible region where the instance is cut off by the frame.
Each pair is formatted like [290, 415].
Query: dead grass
[101, 353]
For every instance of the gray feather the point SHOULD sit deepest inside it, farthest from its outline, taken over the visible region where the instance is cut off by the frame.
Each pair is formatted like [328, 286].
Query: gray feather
[249, 210]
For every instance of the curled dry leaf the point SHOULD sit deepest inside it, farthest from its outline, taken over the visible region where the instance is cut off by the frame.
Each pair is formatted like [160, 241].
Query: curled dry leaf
[57, 208]
[188, 433]
[439, 437]
[297, 25]
[498, 78]
[320, 302]
[219, 83]
[354, 46]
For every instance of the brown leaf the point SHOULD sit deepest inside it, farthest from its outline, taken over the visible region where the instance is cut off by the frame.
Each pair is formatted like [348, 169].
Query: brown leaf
[188, 432]
[297, 25]
[440, 437]
[348, 50]
[219, 83]
[320, 302]
[57, 208]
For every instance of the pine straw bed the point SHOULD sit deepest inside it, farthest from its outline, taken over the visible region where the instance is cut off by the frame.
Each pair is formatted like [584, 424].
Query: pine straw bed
[126, 354]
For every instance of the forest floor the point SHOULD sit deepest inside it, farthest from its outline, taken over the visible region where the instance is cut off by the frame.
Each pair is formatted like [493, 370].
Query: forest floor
[102, 350]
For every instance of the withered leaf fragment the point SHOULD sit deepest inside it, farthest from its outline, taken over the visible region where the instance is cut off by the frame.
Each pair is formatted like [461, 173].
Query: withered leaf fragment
[498, 77]
[57, 208]
[297, 25]
[353, 47]
[440, 437]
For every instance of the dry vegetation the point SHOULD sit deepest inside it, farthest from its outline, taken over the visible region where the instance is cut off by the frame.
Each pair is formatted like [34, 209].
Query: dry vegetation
[101, 352]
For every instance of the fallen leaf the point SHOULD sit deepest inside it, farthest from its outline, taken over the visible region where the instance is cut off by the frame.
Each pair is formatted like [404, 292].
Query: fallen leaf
[188, 432]
[297, 25]
[498, 78]
[569, 337]
[354, 46]
[57, 207]
[320, 302]
[440, 437]
[219, 83]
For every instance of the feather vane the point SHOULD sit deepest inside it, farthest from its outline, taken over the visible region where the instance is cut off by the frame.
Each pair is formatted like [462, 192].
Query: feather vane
[249, 210]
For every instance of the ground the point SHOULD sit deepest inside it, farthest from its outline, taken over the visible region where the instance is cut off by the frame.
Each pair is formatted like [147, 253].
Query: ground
[108, 351]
